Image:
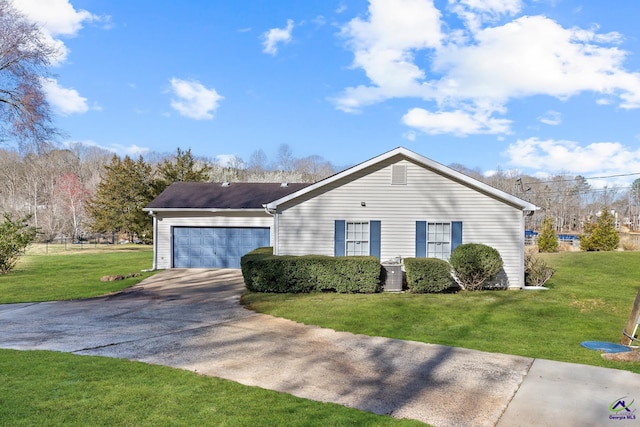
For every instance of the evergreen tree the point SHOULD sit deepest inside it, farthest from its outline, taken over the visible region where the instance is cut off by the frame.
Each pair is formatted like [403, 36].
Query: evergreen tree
[124, 190]
[183, 168]
[548, 239]
[600, 235]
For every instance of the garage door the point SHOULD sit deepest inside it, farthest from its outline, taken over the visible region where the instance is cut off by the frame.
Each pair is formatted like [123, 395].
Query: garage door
[215, 247]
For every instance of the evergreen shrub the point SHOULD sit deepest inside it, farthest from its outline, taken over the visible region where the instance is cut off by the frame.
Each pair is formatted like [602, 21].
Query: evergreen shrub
[428, 275]
[600, 235]
[548, 239]
[475, 264]
[265, 272]
[15, 235]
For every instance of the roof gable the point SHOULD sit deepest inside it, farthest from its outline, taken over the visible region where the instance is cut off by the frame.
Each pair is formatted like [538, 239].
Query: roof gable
[403, 153]
[220, 196]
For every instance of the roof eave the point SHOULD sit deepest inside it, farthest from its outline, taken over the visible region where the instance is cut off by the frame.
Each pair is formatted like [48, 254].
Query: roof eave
[203, 210]
[474, 183]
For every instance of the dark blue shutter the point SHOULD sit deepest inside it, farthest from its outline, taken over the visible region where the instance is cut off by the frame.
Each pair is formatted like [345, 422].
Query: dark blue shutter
[456, 234]
[339, 238]
[374, 239]
[421, 239]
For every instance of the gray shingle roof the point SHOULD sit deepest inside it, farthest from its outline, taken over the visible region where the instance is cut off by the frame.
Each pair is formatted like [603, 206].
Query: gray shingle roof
[215, 195]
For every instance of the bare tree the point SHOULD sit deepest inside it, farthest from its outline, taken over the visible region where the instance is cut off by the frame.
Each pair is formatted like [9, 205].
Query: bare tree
[313, 168]
[25, 57]
[285, 162]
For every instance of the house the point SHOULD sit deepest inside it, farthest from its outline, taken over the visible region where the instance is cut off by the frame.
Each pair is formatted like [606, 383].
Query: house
[398, 204]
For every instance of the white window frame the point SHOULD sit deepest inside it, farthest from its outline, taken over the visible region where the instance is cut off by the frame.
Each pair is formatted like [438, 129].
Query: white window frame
[357, 238]
[439, 240]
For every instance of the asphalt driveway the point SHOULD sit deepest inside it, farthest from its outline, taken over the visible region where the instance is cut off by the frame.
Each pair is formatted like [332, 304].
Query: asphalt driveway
[191, 319]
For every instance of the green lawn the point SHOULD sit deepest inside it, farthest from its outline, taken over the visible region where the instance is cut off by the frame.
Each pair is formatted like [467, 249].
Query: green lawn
[39, 388]
[51, 389]
[59, 272]
[590, 298]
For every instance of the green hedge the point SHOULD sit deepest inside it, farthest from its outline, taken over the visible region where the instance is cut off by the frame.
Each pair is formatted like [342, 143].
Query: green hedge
[264, 272]
[428, 275]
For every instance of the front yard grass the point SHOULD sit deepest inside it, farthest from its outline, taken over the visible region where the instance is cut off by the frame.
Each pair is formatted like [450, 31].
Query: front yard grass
[590, 298]
[59, 272]
[41, 388]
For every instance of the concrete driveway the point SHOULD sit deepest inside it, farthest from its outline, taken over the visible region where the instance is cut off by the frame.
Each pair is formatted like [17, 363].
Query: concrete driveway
[191, 319]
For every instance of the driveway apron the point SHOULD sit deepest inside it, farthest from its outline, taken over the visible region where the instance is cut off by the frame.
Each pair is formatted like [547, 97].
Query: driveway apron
[191, 319]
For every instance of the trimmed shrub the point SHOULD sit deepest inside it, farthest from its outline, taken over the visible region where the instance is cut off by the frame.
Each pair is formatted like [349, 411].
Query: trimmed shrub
[475, 264]
[428, 275]
[536, 271]
[264, 272]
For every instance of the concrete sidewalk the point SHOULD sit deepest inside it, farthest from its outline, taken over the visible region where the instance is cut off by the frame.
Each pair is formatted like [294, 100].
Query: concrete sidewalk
[191, 319]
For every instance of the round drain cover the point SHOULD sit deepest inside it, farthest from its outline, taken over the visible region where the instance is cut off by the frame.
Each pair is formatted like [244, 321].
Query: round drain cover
[607, 347]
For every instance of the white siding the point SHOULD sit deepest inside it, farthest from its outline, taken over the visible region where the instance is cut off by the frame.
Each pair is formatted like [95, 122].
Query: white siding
[307, 226]
[167, 220]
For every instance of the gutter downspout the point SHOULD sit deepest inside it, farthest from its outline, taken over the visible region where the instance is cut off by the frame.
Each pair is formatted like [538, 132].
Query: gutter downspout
[155, 241]
[273, 213]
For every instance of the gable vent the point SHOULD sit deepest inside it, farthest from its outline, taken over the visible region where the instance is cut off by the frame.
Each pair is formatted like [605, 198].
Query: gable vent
[399, 175]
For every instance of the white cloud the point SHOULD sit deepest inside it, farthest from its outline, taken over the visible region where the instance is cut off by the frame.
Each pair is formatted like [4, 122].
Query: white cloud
[551, 118]
[471, 73]
[64, 101]
[569, 156]
[456, 122]
[529, 56]
[409, 135]
[56, 18]
[475, 13]
[277, 36]
[119, 149]
[194, 100]
[384, 47]
[229, 160]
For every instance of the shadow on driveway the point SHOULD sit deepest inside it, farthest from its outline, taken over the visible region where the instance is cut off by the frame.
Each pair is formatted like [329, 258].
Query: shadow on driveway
[191, 319]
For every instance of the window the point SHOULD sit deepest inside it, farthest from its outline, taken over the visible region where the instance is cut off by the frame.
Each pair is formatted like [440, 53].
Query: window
[357, 238]
[439, 240]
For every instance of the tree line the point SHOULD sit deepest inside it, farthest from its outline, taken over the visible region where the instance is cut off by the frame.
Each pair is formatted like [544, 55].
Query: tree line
[569, 200]
[84, 190]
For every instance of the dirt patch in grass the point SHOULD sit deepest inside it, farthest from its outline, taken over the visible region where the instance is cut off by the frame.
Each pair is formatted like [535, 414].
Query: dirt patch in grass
[586, 305]
[627, 356]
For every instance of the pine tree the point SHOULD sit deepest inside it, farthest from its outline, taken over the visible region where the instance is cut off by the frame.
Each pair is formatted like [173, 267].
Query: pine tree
[183, 168]
[125, 189]
[600, 235]
[548, 239]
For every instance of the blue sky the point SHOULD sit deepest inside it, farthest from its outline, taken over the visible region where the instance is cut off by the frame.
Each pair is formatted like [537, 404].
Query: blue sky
[538, 86]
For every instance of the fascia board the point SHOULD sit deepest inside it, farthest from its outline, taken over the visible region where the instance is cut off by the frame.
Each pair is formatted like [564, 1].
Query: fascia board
[200, 210]
[430, 164]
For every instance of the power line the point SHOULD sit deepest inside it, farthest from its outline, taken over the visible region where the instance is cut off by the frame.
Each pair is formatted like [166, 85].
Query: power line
[579, 176]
